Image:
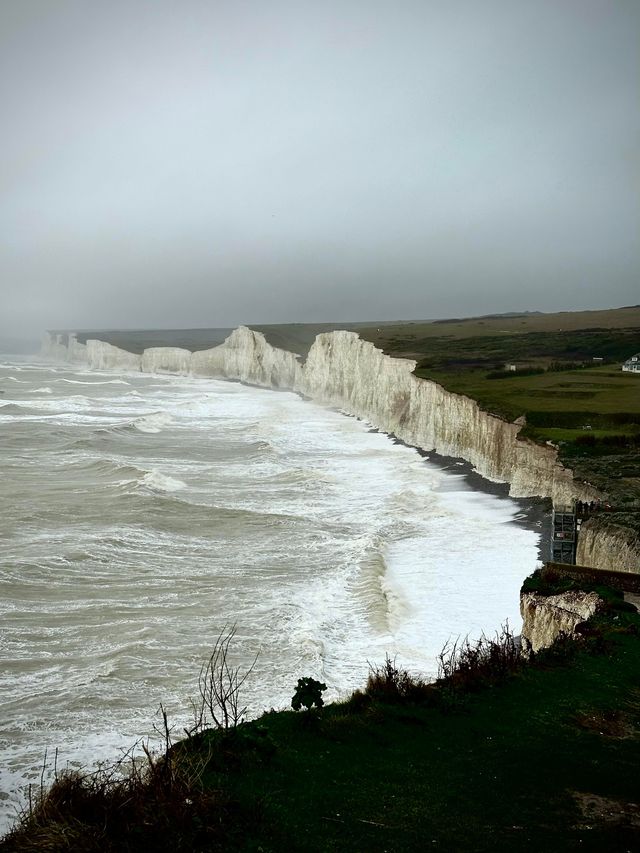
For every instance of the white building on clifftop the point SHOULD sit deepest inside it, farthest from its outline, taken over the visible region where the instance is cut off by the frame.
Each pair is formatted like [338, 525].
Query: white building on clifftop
[632, 365]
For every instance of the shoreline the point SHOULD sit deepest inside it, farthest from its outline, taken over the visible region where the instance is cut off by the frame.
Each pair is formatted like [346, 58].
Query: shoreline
[534, 513]
[352, 375]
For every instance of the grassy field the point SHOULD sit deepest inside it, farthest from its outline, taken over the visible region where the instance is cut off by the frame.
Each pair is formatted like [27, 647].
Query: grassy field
[586, 395]
[515, 769]
[504, 324]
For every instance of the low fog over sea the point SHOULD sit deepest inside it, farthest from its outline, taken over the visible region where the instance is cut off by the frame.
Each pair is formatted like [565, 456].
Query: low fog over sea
[140, 514]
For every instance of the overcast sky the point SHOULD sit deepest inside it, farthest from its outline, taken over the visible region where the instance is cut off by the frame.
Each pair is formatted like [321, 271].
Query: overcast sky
[173, 163]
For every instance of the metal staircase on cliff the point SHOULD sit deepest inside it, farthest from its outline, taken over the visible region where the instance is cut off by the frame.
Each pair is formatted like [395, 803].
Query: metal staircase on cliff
[565, 527]
[564, 534]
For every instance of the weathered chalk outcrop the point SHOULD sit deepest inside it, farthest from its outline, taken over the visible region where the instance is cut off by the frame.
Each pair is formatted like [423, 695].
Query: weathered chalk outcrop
[247, 357]
[545, 618]
[105, 356]
[55, 346]
[347, 372]
[166, 360]
[77, 352]
[605, 544]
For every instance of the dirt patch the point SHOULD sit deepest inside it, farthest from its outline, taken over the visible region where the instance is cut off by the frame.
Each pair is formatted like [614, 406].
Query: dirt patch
[613, 723]
[597, 810]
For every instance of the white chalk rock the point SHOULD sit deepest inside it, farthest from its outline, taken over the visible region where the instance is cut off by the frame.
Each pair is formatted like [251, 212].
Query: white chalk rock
[345, 371]
[76, 352]
[545, 618]
[105, 356]
[247, 357]
[603, 544]
[53, 346]
[166, 360]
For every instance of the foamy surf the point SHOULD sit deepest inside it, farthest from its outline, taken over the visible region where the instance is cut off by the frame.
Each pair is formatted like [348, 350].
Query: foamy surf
[153, 423]
[94, 382]
[158, 482]
[140, 516]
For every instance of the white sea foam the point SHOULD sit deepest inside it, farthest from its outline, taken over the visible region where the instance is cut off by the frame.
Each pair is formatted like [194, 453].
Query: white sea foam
[126, 553]
[94, 382]
[153, 423]
[159, 482]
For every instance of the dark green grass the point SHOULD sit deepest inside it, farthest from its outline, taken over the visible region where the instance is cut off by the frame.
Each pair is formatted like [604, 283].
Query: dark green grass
[553, 398]
[499, 774]
[530, 347]
[592, 415]
[498, 768]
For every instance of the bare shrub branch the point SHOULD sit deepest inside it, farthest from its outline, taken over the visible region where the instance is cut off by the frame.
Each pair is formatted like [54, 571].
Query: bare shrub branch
[466, 665]
[219, 687]
[391, 684]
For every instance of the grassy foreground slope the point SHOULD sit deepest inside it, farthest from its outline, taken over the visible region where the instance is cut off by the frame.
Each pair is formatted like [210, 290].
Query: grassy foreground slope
[548, 761]
[545, 759]
[589, 409]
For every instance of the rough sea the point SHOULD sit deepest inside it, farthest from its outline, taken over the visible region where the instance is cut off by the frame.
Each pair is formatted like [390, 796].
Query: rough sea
[141, 514]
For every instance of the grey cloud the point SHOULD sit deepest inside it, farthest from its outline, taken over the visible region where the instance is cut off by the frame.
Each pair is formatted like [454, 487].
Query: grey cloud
[210, 163]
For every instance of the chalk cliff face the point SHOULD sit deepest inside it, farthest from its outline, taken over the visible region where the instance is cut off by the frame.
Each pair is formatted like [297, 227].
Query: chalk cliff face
[603, 544]
[166, 360]
[104, 356]
[76, 352]
[545, 618]
[344, 371]
[247, 357]
[55, 347]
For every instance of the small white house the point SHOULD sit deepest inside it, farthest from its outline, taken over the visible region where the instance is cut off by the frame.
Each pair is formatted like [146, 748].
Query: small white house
[632, 365]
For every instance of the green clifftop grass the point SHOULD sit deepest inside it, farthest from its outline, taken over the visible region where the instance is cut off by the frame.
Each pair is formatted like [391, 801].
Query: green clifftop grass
[510, 768]
[545, 760]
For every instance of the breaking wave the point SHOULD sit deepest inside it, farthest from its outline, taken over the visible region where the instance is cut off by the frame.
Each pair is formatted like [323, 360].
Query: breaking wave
[153, 423]
[157, 482]
[95, 382]
[18, 409]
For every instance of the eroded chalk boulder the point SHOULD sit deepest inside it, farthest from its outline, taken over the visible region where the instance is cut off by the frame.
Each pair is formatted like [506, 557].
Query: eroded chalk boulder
[547, 617]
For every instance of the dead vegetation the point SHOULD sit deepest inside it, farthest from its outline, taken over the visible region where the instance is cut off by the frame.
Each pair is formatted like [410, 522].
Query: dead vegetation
[148, 800]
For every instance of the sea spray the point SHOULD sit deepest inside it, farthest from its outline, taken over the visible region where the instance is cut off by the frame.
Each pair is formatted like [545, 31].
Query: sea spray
[126, 549]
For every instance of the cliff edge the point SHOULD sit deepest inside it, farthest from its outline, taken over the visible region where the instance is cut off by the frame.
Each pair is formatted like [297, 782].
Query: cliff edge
[345, 371]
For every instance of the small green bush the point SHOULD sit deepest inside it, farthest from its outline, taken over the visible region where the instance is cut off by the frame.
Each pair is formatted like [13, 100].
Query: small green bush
[308, 693]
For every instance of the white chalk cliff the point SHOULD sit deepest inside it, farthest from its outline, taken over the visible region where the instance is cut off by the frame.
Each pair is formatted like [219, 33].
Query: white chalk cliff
[545, 618]
[166, 360]
[104, 356]
[603, 544]
[345, 371]
[247, 357]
